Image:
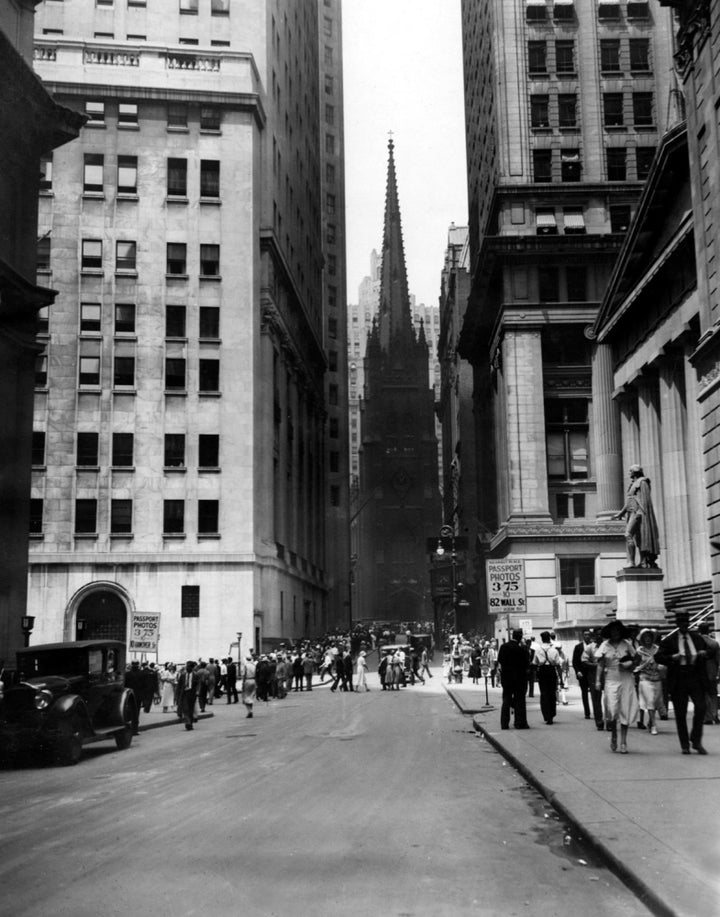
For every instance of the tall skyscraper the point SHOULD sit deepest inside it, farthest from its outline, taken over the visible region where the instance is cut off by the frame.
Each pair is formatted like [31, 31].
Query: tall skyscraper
[399, 500]
[565, 103]
[184, 411]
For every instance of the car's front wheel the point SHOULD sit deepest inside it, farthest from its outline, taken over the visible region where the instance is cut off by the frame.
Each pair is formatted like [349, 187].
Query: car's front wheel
[67, 744]
[123, 739]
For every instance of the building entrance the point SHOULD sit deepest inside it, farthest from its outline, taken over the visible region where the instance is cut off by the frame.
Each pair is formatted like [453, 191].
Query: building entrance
[102, 615]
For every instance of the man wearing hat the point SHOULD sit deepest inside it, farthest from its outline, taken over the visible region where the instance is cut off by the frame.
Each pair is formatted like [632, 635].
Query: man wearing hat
[188, 683]
[641, 529]
[135, 680]
[684, 653]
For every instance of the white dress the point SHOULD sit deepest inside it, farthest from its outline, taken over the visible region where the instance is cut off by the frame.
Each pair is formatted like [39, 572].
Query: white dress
[620, 701]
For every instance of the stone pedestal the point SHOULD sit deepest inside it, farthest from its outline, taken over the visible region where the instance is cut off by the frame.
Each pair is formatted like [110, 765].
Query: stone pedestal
[640, 595]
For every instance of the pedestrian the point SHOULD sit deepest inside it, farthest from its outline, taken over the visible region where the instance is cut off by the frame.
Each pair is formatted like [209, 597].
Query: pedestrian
[649, 676]
[424, 663]
[168, 680]
[361, 668]
[531, 646]
[684, 653]
[349, 670]
[580, 673]
[589, 666]
[223, 675]
[415, 666]
[383, 670]
[281, 675]
[149, 686]
[615, 679]
[297, 672]
[203, 685]
[249, 687]
[547, 662]
[262, 678]
[308, 667]
[188, 683]
[135, 681]
[513, 663]
[711, 673]
[213, 673]
[231, 681]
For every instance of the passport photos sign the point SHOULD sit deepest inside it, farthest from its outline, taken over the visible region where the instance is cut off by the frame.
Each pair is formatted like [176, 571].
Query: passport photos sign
[506, 586]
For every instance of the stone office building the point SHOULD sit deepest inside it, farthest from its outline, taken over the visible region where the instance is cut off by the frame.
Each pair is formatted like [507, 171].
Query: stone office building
[180, 447]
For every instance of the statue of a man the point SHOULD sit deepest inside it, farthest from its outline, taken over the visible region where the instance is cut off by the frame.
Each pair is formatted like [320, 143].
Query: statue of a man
[641, 529]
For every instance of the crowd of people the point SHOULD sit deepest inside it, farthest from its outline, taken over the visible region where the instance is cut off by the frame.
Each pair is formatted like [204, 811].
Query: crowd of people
[627, 677]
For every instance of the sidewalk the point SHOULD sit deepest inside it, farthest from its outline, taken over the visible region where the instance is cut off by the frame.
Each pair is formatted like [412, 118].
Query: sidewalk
[654, 813]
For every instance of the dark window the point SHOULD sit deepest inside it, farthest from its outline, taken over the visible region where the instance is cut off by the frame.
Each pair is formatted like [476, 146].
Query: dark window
[43, 319]
[539, 111]
[127, 113]
[93, 172]
[564, 10]
[613, 109]
[639, 55]
[190, 602]
[95, 112]
[334, 461]
[174, 450]
[332, 361]
[535, 11]
[610, 55]
[334, 428]
[90, 313]
[176, 258]
[174, 374]
[91, 254]
[124, 318]
[574, 221]
[175, 325]
[332, 328]
[542, 165]
[566, 345]
[209, 119]
[576, 280]
[209, 178]
[619, 217]
[86, 517]
[578, 504]
[43, 253]
[41, 370]
[565, 57]
[122, 450]
[124, 372]
[173, 517]
[545, 221]
[87, 449]
[334, 495]
[125, 256]
[208, 517]
[36, 516]
[46, 169]
[644, 156]
[609, 9]
[89, 370]
[577, 575]
[562, 506]
[127, 175]
[617, 164]
[643, 109]
[208, 450]
[570, 165]
[38, 447]
[537, 58]
[177, 177]
[189, 6]
[121, 517]
[549, 284]
[566, 423]
[220, 7]
[209, 260]
[177, 114]
[638, 9]
[567, 109]
[209, 375]
[209, 322]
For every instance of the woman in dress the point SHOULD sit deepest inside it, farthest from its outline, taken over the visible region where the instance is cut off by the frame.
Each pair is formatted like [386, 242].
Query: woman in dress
[361, 668]
[249, 688]
[168, 680]
[650, 693]
[616, 660]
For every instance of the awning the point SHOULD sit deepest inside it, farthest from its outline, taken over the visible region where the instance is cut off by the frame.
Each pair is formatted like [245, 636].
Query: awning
[609, 2]
[535, 2]
[569, 156]
[564, 2]
[545, 220]
[575, 220]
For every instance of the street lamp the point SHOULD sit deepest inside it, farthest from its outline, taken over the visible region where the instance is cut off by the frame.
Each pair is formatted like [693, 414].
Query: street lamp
[27, 622]
[239, 636]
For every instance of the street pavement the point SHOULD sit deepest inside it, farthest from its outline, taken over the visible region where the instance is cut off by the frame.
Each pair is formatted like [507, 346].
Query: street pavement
[653, 814]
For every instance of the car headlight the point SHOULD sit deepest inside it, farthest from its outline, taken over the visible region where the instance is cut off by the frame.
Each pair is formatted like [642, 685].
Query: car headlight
[43, 699]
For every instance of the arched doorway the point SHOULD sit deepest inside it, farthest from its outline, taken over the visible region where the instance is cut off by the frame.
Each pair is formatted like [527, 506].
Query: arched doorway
[101, 615]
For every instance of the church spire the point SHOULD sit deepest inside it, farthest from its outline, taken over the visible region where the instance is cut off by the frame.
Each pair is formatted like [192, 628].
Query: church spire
[395, 315]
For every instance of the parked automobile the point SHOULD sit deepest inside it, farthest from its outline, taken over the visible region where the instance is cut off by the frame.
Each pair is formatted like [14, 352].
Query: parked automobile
[67, 695]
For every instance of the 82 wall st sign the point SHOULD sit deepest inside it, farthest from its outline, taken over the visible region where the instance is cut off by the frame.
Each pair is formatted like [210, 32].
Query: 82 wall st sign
[506, 586]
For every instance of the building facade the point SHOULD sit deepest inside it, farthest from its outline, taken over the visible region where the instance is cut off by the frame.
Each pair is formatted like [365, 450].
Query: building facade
[565, 104]
[32, 125]
[398, 494]
[180, 461]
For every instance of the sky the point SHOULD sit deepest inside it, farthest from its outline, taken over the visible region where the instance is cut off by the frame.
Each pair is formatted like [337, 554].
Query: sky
[403, 73]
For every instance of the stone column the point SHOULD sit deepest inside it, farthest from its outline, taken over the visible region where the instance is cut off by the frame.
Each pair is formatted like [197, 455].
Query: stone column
[673, 430]
[627, 401]
[525, 425]
[607, 447]
[650, 453]
[699, 544]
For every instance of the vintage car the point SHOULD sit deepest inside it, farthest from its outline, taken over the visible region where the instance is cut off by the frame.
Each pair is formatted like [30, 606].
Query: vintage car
[67, 695]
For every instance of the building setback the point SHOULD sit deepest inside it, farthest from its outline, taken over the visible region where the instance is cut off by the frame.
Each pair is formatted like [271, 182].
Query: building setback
[32, 124]
[565, 104]
[182, 416]
[399, 500]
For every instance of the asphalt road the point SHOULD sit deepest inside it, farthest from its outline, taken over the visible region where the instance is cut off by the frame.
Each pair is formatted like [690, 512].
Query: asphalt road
[322, 804]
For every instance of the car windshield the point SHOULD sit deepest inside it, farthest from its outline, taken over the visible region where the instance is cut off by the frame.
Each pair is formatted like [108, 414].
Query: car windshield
[70, 661]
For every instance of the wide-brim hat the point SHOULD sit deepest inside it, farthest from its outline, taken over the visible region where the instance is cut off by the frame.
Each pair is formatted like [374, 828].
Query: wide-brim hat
[644, 631]
[605, 632]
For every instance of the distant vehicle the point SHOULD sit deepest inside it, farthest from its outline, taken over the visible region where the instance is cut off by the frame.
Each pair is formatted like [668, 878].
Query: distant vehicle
[67, 695]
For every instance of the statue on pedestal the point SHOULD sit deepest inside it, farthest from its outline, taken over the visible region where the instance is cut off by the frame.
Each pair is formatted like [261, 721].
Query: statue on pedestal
[641, 529]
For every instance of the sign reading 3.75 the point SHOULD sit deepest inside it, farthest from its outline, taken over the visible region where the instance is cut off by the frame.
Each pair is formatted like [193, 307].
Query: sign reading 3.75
[506, 585]
[144, 632]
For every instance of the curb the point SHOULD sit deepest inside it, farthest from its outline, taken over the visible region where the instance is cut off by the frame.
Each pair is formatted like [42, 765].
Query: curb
[170, 720]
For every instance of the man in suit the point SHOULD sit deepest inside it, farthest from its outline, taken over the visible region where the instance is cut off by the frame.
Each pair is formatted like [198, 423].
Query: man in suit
[231, 681]
[684, 654]
[580, 673]
[188, 683]
[514, 661]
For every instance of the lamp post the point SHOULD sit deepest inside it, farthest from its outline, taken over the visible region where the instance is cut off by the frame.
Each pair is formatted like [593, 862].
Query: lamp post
[27, 622]
[239, 662]
[448, 533]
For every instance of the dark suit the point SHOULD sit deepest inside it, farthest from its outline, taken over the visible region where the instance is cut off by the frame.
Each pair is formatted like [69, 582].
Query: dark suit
[230, 685]
[188, 683]
[514, 661]
[581, 676]
[685, 683]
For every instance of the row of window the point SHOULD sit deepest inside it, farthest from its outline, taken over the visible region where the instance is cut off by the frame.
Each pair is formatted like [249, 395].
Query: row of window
[178, 114]
[573, 220]
[127, 176]
[123, 377]
[176, 264]
[547, 112]
[545, 163]
[559, 57]
[125, 313]
[121, 513]
[217, 7]
[122, 455]
[564, 10]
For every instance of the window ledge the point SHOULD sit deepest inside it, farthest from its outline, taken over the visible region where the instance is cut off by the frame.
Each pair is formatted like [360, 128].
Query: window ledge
[209, 536]
[569, 129]
[114, 536]
[122, 468]
[126, 126]
[42, 388]
[570, 75]
[43, 270]
[42, 467]
[642, 73]
[36, 536]
[90, 390]
[174, 469]
[125, 272]
[215, 201]
[85, 536]
[174, 536]
[210, 394]
[209, 340]
[180, 392]
[127, 196]
[95, 125]
[91, 272]
[209, 469]
[118, 390]
[542, 129]
[126, 335]
[212, 278]
[93, 195]
[46, 192]
[177, 276]
[177, 199]
[211, 130]
[616, 128]
[80, 468]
